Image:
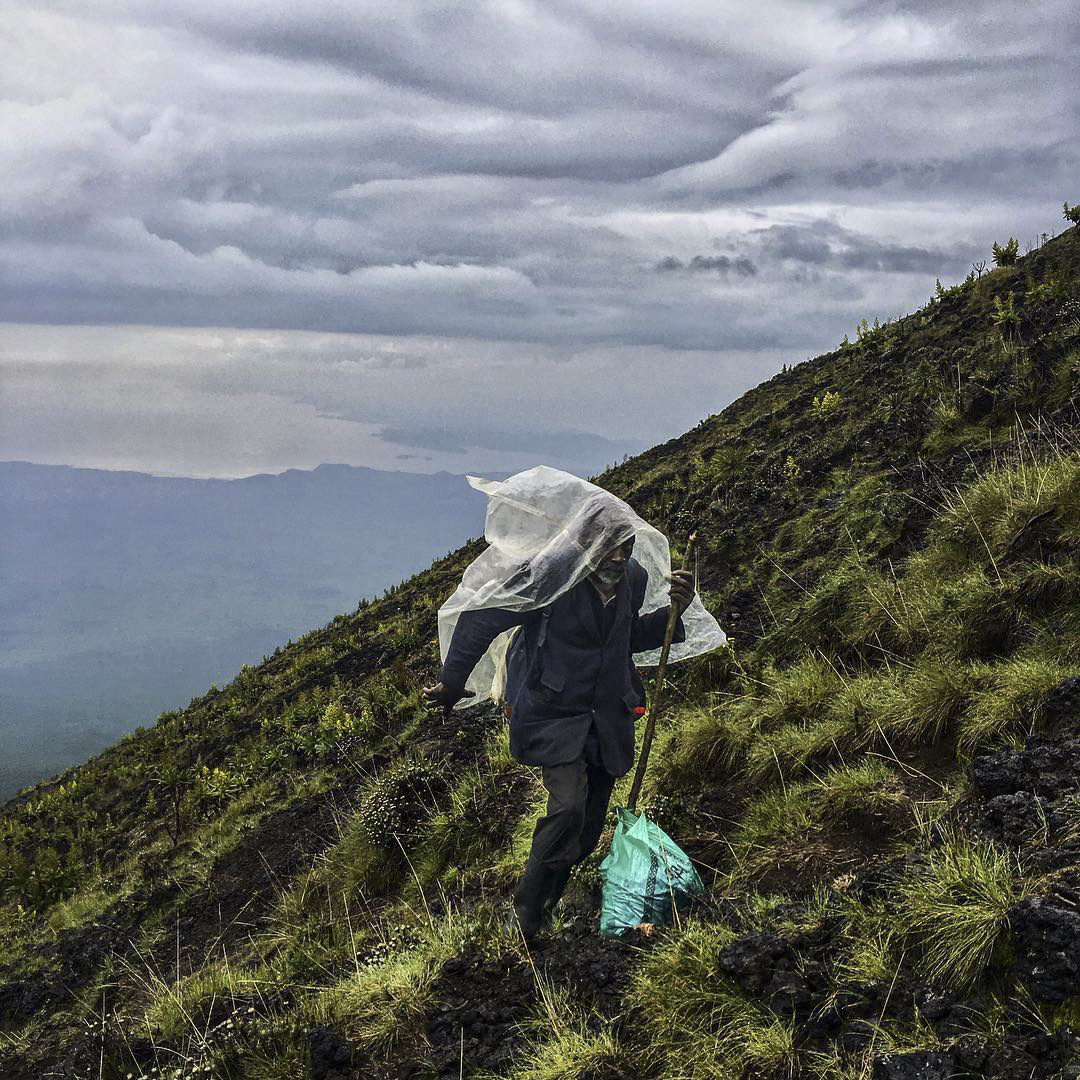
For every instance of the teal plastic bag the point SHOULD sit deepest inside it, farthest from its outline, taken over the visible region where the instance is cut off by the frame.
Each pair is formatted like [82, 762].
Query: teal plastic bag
[646, 876]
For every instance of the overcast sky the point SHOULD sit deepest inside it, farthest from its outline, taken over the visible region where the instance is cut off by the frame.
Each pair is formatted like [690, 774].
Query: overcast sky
[248, 236]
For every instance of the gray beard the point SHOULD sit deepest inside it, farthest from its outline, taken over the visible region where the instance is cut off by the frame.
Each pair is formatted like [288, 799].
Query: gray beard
[607, 577]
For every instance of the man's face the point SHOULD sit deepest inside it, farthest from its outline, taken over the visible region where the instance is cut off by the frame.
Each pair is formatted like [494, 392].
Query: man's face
[613, 566]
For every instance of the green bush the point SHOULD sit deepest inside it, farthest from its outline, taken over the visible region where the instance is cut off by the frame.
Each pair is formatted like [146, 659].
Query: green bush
[827, 405]
[399, 800]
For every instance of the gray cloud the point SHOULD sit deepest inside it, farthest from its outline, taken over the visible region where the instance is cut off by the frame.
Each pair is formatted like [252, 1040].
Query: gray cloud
[824, 243]
[722, 264]
[224, 402]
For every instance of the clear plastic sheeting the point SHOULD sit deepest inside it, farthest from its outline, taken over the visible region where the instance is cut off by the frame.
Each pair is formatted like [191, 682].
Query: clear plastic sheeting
[547, 530]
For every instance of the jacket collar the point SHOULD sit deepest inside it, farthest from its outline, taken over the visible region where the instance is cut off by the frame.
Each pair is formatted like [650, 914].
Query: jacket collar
[583, 608]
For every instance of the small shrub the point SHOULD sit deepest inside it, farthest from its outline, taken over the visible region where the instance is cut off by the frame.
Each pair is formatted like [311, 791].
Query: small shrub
[1006, 254]
[1050, 291]
[1006, 318]
[398, 801]
[1071, 213]
[312, 661]
[826, 406]
[942, 292]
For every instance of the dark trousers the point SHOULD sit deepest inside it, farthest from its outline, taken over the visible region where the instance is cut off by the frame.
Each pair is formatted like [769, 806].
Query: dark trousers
[578, 795]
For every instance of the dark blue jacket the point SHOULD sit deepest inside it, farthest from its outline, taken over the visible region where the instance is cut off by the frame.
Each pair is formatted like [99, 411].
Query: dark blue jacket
[578, 679]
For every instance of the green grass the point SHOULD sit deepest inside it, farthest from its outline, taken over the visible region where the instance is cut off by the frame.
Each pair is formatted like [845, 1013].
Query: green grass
[894, 625]
[1010, 704]
[872, 950]
[978, 521]
[176, 1009]
[870, 788]
[936, 693]
[380, 1008]
[460, 838]
[695, 1024]
[955, 910]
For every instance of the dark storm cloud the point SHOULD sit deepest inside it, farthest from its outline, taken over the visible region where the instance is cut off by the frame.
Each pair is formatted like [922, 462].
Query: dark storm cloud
[722, 264]
[508, 171]
[824, 243]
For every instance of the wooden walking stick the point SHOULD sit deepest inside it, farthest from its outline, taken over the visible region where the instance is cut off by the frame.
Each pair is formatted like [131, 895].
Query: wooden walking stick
[658, 686]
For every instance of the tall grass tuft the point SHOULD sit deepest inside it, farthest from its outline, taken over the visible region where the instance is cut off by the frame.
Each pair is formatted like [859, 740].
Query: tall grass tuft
[381, 1007]
[567, 1041]
[936, 692]
[1010, 704]
[956, 909]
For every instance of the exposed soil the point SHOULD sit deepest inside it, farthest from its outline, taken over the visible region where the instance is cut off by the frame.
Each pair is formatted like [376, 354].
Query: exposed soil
[483, 1006]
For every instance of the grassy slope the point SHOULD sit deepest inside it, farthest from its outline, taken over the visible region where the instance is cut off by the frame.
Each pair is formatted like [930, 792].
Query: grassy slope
[896, 567]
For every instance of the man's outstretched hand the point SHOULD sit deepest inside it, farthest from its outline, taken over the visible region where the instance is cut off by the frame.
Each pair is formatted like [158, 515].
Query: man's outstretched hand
[682, 589]
[442, 697]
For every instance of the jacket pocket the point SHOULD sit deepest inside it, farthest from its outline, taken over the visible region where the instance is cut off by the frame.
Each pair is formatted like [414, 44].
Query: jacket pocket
[553, 680]
[549, 686]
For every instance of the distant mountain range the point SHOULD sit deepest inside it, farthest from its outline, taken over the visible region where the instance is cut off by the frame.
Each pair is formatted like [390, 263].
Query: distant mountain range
[125, 594]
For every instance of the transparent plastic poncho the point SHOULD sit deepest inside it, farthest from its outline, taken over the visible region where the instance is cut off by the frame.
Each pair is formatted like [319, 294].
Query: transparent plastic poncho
[547, 530]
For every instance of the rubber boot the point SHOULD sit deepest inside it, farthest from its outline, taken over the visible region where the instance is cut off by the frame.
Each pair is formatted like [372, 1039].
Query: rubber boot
[555, 889]
[529, 898]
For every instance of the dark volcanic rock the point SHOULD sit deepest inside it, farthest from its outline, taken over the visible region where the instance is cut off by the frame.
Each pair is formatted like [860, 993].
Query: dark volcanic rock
[1028, 794]
[882, 878]
[479, 1007]
[1046, 934]
[1047, 766]
[595, 967]
[1057, 858]
[788, 992]
[917, 1065]
[480, 1004]
[1012, 1063]
[1063, 702]
[1016, 818]
[331, 1057]
[21, 998]
[949, 1013]
[753, 959]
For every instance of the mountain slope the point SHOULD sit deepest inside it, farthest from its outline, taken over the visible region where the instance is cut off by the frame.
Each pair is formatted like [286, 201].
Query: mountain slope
[302, 872]
[125, 594]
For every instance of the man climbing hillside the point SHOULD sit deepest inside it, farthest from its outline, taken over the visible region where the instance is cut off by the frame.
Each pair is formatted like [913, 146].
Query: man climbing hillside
[578, 595]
